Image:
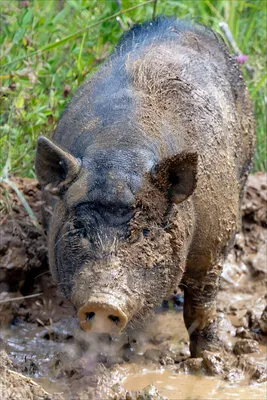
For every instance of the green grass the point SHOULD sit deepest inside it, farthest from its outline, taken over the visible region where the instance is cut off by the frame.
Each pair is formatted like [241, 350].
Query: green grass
[36, 87]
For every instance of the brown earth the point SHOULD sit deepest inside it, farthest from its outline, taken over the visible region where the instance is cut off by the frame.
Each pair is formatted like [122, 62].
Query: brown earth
[44, 345]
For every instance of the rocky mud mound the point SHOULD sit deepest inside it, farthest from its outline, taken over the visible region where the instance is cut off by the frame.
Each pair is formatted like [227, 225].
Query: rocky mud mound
[22, 243]
[44, 355]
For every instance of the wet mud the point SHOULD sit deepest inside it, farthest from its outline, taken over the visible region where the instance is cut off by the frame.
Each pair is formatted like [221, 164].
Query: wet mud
[44, 355]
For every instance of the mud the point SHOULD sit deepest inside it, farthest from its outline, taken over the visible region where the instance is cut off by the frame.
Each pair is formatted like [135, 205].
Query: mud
[44, 355]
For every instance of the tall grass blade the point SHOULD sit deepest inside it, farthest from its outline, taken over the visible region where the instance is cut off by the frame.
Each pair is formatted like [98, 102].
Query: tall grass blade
[74, 35]
[258, 86]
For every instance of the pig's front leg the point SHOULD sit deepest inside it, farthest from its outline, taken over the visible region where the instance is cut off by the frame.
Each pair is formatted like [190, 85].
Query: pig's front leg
[200, 310]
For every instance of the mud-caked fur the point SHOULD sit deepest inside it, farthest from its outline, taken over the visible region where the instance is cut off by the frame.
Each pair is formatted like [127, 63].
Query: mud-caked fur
[145, 174]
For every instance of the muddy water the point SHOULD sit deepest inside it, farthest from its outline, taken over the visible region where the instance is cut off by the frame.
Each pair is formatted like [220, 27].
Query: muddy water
[51, 356]
[191, 387]
[29, 346]
[182, 386]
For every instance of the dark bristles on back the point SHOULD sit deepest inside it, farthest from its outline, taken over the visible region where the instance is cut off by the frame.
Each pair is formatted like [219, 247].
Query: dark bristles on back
[160, 29]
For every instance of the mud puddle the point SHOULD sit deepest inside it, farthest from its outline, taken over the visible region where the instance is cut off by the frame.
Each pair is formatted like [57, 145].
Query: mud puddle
[191, 387]
[156, 360]
[44, 356]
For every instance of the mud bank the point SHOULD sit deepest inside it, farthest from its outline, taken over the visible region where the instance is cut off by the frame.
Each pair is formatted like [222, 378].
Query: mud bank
[44, 355]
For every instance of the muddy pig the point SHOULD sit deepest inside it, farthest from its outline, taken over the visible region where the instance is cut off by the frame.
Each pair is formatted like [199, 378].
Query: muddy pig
[145, 174]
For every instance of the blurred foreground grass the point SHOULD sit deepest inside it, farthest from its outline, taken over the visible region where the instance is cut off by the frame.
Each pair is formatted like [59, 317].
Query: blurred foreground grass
[35, 89]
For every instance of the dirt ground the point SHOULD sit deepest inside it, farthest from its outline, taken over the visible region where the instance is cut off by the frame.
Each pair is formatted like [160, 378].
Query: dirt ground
[44, 355]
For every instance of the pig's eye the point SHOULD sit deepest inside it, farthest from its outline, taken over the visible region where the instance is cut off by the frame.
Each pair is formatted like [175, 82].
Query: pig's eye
[136, 237]
[80, 228]
[146, 232]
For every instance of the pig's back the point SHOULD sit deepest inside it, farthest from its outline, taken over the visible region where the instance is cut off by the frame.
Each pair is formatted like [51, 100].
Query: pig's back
[191, 96]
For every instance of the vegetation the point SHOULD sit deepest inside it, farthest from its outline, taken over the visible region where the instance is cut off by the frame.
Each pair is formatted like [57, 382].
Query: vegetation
[47, 51]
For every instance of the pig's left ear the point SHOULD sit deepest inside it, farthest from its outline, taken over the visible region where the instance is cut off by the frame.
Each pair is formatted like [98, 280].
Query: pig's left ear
[55, 168]
[177, 176]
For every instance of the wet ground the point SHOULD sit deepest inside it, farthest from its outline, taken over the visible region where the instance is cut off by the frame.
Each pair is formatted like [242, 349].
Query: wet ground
[43, 354]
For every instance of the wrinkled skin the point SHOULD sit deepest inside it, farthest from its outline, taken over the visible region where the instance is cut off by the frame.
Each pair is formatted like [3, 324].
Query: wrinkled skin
[145, 175]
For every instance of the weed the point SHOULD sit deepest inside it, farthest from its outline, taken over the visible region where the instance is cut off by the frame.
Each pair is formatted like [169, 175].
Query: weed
[47, 50]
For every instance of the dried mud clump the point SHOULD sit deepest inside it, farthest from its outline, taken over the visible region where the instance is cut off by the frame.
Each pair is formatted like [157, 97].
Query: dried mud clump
[263, 321]
[247, 366]
[246, 346]
[254, 223]
[213, 363]
[14, 386]
[22, 245]
[191, 366]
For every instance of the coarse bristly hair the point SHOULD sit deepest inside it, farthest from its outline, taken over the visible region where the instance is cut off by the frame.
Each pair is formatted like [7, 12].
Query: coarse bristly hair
[159, 30]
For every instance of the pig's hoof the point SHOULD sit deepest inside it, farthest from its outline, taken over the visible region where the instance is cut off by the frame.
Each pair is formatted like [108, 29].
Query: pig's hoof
[198, 343]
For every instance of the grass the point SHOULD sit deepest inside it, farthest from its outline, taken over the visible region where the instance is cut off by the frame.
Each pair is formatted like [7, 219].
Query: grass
[47, 51]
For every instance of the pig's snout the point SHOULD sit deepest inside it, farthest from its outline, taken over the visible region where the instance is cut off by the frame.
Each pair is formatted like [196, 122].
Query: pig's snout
[100, 315]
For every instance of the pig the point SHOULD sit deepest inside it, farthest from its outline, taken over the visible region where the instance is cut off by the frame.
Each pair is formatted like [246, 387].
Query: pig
[145, 174]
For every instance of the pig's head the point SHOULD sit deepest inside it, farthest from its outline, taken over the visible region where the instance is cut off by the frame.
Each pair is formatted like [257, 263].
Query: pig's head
[120, 229]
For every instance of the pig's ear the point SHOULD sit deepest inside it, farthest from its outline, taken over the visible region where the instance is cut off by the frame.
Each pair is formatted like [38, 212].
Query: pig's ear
[55, 168]
[177, 176]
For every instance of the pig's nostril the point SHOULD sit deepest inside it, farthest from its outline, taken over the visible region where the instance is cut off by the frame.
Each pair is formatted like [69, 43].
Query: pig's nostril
[100, 314]
[89, 316]
[114, 318]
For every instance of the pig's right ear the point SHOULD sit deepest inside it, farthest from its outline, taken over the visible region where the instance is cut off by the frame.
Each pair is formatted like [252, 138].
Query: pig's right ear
[177, 176]
[55, 168]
